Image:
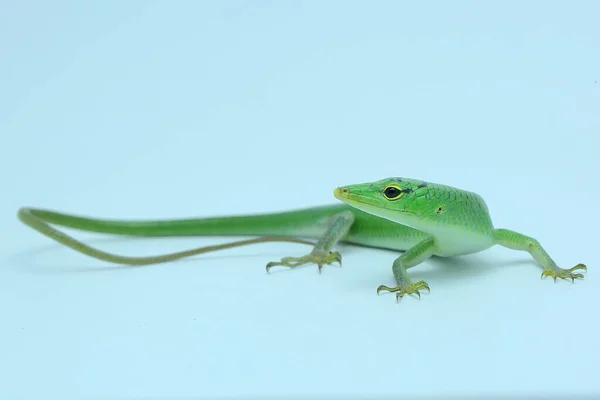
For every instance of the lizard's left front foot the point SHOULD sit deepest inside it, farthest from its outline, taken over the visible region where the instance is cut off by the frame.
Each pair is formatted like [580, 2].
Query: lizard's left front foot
[401, 290]
[312, 258]
[565, 273]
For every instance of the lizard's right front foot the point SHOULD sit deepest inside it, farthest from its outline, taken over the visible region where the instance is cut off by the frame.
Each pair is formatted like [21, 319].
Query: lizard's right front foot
[312, 258]
[565, 273]
[410, 288]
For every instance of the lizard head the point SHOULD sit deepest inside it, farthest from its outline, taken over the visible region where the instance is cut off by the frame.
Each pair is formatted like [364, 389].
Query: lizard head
[413, 202]
[396, 199]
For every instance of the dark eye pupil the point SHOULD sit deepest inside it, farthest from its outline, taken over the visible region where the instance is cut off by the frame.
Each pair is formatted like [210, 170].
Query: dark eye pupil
[392, 192]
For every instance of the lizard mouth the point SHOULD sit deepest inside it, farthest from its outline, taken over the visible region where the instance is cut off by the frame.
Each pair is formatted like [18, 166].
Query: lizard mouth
[354, 199]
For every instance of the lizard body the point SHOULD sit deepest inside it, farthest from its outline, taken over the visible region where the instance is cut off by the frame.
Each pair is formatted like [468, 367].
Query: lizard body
[419, 218]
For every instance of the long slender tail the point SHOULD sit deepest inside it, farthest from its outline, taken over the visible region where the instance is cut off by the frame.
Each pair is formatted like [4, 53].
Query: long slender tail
[290, 223]
[39, 220]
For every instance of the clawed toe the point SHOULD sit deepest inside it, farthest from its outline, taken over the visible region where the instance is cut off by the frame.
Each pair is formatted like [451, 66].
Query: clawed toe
[582, 267]
[565, 273]
[401, 290]
[320, 260]
[337, 257]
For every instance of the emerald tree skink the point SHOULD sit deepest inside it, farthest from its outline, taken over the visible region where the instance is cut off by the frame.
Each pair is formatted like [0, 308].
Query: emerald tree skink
[419, 218]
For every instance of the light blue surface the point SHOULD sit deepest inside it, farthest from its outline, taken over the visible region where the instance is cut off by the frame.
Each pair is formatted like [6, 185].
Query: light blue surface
[175, 109]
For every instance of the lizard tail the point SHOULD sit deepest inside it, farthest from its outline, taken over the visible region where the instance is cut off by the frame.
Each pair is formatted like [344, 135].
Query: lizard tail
[40, 221]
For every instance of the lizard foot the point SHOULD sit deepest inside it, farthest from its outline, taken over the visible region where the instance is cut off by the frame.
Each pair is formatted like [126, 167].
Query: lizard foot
[565, 273]
[412, 288]
[319, 259]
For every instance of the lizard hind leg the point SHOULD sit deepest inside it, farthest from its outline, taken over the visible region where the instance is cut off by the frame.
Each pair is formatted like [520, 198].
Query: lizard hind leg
[339, 225]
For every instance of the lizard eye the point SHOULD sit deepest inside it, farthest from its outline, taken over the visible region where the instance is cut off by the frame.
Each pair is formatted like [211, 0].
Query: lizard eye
[392, 192]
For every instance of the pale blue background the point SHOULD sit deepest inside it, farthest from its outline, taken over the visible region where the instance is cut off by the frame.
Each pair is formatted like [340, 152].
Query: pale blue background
[174, 109]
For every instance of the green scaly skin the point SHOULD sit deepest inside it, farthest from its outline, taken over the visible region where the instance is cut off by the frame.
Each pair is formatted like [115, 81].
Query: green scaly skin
[419, 218]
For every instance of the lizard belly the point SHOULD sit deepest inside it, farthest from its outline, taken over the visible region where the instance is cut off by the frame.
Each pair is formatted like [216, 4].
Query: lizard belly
[455, 242]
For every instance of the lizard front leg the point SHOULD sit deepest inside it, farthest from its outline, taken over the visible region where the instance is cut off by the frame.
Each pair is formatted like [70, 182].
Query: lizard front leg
[339, 225]
[412, 257]
[516, 241]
